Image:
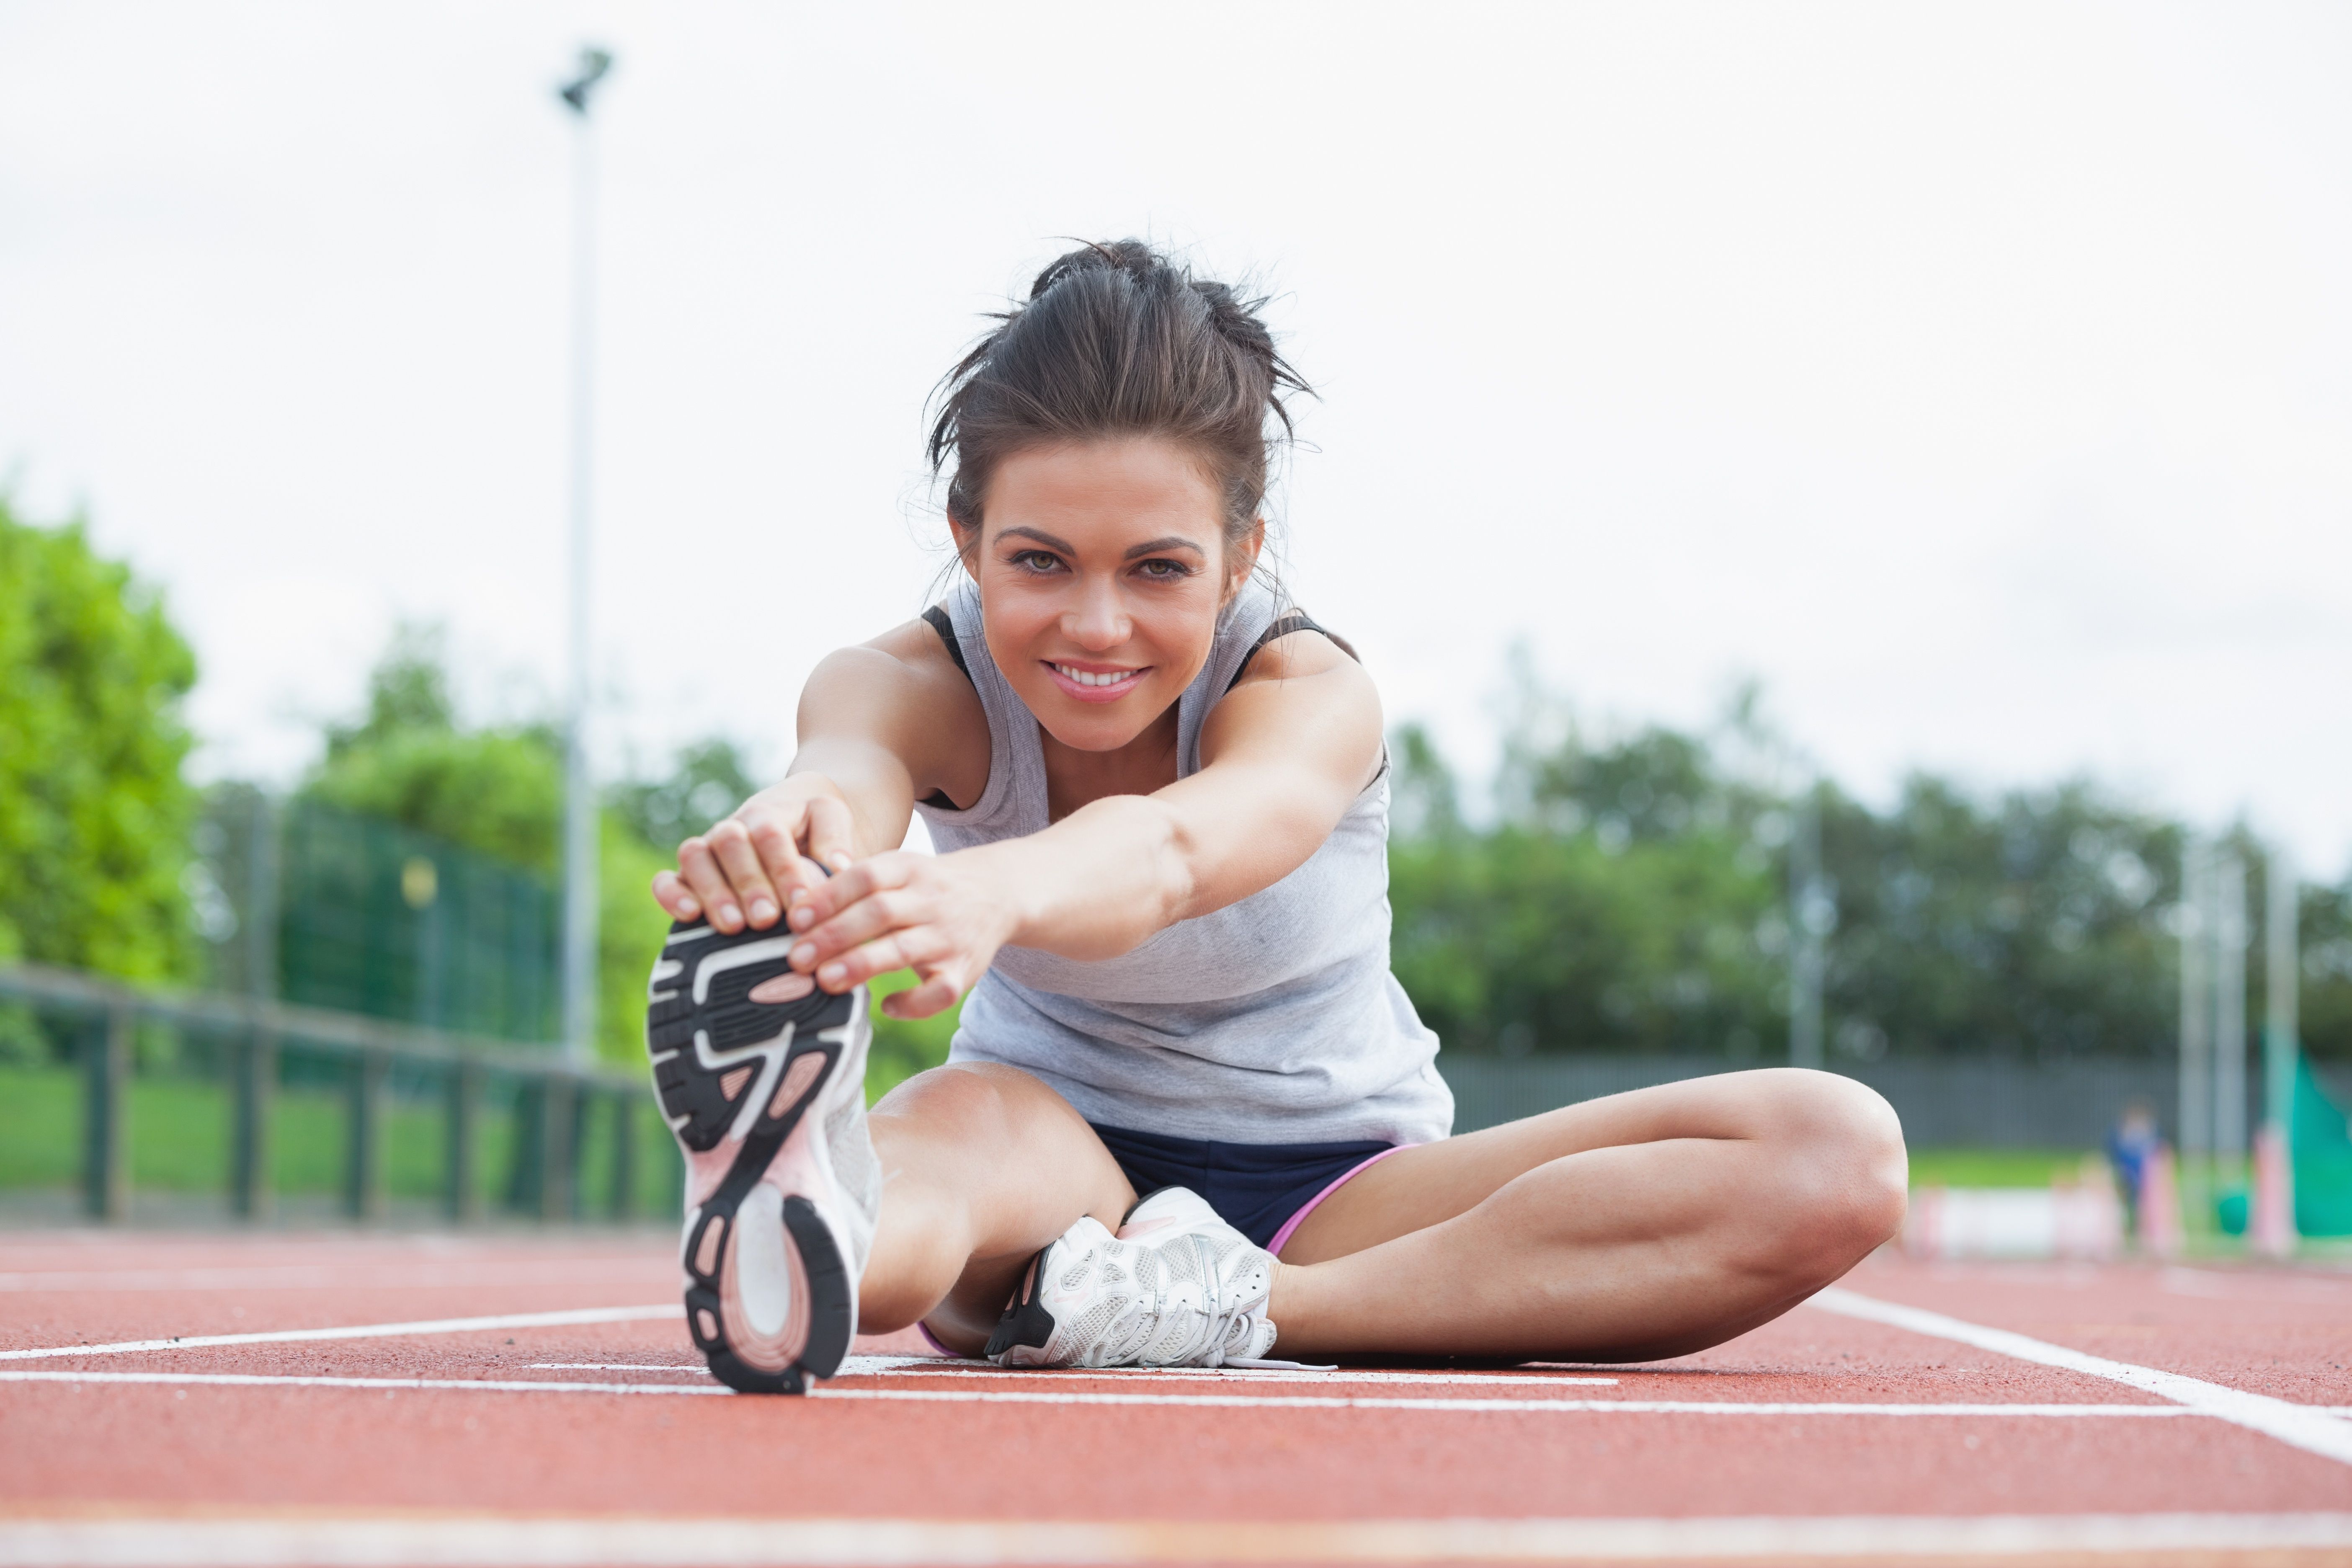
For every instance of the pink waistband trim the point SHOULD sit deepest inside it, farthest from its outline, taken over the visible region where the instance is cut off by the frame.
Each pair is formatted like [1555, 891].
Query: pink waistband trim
[1350, 1175]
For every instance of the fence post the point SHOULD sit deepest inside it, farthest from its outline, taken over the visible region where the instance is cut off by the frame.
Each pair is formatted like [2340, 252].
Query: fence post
[461, 1196]
[364, 1149]
[624, 1154]
[106, 1145]
[251, 1192]
[558, 1154]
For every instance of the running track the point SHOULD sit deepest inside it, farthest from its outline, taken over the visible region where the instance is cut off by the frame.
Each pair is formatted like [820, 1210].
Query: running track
[2038, 1413]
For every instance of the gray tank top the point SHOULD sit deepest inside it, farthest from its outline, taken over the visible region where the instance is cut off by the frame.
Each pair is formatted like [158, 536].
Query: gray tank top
[1274, 1020]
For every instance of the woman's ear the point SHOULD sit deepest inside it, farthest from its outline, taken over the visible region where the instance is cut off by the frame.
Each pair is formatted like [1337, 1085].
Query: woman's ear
[966, 538]
[1241, 557]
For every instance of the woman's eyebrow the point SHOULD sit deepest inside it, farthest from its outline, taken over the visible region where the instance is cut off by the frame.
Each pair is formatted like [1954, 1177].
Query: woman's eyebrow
[1167, 541]
[1041, 536]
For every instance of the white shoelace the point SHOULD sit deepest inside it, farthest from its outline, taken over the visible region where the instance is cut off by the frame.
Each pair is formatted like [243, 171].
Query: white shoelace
[1209, 1331]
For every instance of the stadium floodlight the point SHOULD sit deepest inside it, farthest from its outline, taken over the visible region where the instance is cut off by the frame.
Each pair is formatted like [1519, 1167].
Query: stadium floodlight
[579, 795]
[593, 64]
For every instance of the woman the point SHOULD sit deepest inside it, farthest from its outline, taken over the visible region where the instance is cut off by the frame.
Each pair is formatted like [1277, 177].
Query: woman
[1160, 798]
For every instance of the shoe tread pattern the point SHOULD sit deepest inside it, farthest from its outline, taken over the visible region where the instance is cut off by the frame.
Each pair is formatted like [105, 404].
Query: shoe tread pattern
[694, 1097]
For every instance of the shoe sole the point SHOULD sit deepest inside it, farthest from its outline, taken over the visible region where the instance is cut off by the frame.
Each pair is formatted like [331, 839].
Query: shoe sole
[769, 1299]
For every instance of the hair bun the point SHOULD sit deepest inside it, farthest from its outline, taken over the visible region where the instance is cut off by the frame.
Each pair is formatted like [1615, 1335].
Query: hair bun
[1137, 260]
[1116, 339]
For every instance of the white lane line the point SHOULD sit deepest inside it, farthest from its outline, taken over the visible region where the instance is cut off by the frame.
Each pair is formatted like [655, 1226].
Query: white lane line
[637, 1542]
[391, 1385]
[366, 1330]
[939, 1366]
[324, 1277]
[2308, 1428]
[1045, 1396]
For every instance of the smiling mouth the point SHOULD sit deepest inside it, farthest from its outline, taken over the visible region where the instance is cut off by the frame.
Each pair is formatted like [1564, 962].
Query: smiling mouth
[1093, 677]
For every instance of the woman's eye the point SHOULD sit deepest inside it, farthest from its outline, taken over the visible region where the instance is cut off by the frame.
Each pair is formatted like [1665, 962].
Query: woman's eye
[1036, 561]
[1160, 567]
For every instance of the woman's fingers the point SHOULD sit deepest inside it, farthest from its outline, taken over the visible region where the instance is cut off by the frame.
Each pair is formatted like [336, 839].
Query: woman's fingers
[936, 994]
[848, 886]
[861, 923]
[829, 833]
[675, 897]
[773, 840]
[862, 964]
[699, 870]
[730, 843]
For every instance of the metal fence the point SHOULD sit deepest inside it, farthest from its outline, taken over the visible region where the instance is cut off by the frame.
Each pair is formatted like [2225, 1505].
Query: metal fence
[571, 1135]
[1981, 1103]
[370, 916]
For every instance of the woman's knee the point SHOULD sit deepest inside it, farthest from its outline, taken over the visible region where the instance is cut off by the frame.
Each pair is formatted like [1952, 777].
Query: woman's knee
[977, 1100]
[999, 1138]
[1840, 1146]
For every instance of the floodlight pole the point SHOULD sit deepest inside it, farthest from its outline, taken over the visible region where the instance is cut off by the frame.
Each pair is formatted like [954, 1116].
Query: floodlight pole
[2282, 965]
[2194, 1134]
[1811, 913]
[579, 790]
[2229, 1019]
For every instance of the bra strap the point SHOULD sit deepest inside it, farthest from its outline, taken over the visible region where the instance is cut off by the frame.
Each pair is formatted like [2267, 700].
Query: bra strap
[1296, 621]
[937, 615]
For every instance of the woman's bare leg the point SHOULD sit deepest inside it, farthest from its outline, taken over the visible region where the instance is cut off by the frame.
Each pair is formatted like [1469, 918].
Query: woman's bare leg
[1641, 1226]
[981, 1165]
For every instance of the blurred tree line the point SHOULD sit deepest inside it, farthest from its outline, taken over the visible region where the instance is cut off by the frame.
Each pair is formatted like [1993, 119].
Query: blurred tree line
[497, 790]
[1626, 893]
[94, 814]
[1630, 894]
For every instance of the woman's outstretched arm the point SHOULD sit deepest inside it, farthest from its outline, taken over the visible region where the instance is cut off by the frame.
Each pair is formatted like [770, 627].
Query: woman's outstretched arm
[1283, 755]
[880, 725]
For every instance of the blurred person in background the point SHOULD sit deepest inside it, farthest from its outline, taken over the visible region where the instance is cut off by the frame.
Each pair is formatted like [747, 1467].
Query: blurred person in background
[2130, 1146]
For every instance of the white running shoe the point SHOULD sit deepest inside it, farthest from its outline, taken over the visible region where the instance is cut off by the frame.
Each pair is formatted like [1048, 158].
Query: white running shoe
[1177, 1286]
[767, 1096]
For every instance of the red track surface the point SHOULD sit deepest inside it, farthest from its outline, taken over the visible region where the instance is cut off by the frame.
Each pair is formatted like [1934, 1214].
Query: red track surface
[101, 1450]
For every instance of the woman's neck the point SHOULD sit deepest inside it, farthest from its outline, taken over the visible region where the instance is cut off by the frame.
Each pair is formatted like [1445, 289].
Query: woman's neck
[1075, 778]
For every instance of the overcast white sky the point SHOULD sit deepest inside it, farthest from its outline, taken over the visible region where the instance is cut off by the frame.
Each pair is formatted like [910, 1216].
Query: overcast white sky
[1980, 378]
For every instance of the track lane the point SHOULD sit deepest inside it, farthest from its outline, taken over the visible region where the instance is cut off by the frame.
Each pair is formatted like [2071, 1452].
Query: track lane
[584, 1454]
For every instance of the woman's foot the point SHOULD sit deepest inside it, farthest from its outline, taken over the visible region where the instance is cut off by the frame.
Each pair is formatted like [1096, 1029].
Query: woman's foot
[763, 1078]
[1177, 1286]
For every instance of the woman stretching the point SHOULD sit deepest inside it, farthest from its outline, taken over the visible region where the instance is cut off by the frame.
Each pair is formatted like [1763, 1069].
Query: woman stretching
[1160, 800]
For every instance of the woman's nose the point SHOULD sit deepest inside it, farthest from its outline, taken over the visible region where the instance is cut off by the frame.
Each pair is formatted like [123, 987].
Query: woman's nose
[1098, 621]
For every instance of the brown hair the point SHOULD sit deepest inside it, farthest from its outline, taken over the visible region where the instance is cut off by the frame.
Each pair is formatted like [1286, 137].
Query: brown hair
[1117, 340]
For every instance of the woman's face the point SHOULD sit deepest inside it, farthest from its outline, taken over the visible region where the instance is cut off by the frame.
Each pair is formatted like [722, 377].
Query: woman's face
[1102, 566]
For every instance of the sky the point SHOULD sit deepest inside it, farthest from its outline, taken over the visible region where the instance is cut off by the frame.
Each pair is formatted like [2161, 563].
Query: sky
[1978, 379]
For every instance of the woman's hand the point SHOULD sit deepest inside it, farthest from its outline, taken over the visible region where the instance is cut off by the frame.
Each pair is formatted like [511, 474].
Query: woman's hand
[941, 916]
[745, 870]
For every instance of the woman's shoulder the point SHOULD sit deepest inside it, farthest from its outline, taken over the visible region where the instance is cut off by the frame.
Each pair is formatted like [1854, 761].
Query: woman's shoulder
[1289, 644]
[905, 691]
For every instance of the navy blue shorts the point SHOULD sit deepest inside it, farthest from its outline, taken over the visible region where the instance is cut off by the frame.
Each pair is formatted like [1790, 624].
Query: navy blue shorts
[1262, 1190]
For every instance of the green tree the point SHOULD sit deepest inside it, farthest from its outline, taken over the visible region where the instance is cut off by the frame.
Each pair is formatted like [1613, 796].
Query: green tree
[1622, 904]
[94, 815]
[1632, 897]
[497, 790]
[710, 779]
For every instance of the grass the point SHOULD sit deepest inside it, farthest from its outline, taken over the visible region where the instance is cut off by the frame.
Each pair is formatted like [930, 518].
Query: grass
[179, 1135]
[179, 1130]
[1994, 1167]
